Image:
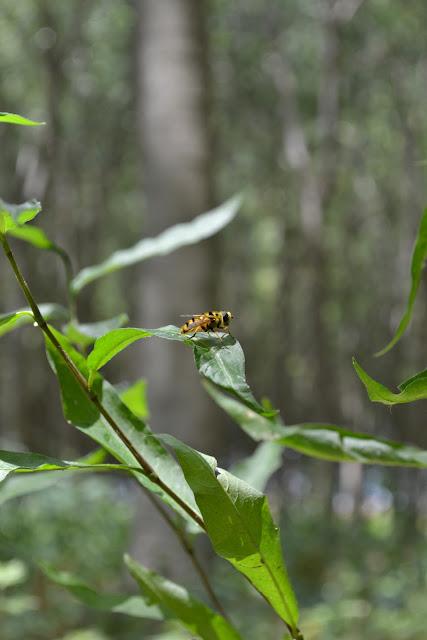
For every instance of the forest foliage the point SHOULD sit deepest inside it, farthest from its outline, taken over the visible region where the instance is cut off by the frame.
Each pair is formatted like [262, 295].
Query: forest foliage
[235, 516]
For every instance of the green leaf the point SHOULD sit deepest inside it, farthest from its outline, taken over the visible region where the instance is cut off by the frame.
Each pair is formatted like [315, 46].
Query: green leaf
[177, 604]
[174, 238]
[253, 423]
[15, 319]
[81, 412]
[16, 215]
[8, 321]
[129, 605]
[418, 378]
[85, 334]
[415, 388]
[13, 118]
[222, 361]
[239, 524]
[323, 441]
[20, 484]
[260, 466]
[135, 398]
[32, 235]
[329, 442]
[25, 462]
[419, 256]
[111, 344]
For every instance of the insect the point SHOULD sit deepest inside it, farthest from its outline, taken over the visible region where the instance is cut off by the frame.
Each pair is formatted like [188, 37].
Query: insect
[213, 321]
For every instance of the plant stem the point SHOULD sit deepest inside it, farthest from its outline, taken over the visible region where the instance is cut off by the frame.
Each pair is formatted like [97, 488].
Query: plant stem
[147, 468]
[295, 633]
[189, 549]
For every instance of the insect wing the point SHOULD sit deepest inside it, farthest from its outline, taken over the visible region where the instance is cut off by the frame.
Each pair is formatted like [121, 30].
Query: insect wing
[197, 321]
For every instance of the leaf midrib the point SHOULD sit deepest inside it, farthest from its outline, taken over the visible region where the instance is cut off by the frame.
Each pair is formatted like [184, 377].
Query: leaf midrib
[265, 562]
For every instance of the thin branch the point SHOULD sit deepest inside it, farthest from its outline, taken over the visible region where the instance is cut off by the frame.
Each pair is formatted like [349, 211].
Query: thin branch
[189, 549]
[81, 380]
[149, 472]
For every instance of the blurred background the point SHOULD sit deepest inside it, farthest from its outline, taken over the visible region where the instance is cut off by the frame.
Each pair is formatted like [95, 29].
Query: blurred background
[156, 111]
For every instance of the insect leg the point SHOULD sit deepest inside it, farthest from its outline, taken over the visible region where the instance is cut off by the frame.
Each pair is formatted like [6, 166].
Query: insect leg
[217, 334]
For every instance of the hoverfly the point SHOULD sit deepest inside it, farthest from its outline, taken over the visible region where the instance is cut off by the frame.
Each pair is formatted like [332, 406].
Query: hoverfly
[213, 321]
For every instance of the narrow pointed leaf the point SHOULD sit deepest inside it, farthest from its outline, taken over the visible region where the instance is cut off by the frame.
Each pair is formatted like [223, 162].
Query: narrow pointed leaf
[175, 237]
[113, 342]
[16, 215]
[323, 441]
[80, 411]
[419, 378]
[220, 360]
[25, 462]
[9, 321]
[12, 461]
[239, 524]
[130, 605]
[13, 118]
[15, 319]
[22, 484]
[411, 390]
[223, 363]
[329, 442]
[32, 235]
[177, 604]
[419, 256]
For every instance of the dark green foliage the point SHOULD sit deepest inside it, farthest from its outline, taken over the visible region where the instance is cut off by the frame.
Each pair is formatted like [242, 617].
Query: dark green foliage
[419, 257]
[239, 523]
[177, 604]
[235, 516]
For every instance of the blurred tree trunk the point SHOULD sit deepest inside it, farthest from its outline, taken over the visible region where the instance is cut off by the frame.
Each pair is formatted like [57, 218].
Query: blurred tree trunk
[177, 175]
[315, 175]
[307, 256]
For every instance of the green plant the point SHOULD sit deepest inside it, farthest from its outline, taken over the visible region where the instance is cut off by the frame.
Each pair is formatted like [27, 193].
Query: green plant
[193, 494]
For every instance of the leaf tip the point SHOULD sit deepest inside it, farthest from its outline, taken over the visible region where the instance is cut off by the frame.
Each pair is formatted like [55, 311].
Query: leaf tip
[386, 349]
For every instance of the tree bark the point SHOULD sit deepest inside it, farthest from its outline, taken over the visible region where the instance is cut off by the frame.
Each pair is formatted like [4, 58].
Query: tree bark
[177, 176]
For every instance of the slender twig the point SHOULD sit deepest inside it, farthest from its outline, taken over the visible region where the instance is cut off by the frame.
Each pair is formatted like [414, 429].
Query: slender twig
[146, 467]
[81, 380]
[186, 544]
[295, 633]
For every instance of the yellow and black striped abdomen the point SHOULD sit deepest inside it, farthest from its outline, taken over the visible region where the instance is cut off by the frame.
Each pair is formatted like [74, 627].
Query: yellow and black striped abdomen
[208, 321]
